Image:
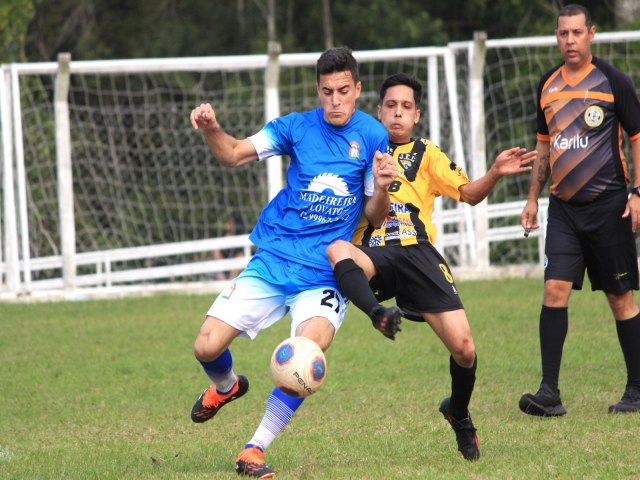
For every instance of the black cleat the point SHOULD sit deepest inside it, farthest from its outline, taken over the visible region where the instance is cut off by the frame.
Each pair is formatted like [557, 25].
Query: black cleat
[545, 403]
[629, 403]
[210, 401]
[466, 435]
[386, 320]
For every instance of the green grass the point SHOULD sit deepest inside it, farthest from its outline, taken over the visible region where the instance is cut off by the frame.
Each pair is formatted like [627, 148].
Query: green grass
[103, 390]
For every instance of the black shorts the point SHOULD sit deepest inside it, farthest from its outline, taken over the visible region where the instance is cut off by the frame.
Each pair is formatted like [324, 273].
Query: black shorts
[417, 276]
[594, 237]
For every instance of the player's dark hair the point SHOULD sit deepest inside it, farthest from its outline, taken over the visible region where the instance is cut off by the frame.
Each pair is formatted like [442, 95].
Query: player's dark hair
[402, 79]
[575, 9]
[337, 59]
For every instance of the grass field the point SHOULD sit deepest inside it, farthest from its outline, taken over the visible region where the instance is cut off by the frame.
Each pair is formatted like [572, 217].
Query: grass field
[103, 390]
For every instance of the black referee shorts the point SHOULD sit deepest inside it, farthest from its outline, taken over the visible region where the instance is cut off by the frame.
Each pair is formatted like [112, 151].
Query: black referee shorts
[417, 276]
[595, 237]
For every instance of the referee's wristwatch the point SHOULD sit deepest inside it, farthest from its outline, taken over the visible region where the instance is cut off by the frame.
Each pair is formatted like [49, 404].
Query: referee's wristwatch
[636, 191]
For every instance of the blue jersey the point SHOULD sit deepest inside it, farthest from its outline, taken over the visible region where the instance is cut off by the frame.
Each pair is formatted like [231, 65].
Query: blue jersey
[329, 174]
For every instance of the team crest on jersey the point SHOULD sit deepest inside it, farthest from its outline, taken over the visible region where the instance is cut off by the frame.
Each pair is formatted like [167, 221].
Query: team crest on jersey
[594, 116]
[406, 160]
[354, 151]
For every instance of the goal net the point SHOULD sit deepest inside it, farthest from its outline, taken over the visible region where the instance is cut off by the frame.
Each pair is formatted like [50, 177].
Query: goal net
[513, 70]
[143, 178]
[141, 175]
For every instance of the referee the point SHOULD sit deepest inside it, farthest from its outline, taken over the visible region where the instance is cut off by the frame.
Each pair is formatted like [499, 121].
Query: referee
[583, 104]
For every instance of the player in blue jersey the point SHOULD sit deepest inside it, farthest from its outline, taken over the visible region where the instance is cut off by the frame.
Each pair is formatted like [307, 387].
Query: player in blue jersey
[336, 172]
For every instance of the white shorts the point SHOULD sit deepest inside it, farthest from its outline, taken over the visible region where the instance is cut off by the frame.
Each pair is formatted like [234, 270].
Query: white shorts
[252, 304]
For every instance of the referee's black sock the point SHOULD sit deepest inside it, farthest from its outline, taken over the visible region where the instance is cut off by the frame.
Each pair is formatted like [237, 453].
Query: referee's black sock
[354, 284]
[554, 324]
[629, 338]
[462, 382]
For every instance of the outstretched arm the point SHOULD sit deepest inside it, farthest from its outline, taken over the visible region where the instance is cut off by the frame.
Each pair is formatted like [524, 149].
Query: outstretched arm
[229, 151]
[385, 171]
[509, 162]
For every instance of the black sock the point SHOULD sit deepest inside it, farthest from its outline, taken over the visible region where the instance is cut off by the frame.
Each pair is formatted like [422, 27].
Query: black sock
[354, 284]
[462, 383]
[554, 324]
[629, 338]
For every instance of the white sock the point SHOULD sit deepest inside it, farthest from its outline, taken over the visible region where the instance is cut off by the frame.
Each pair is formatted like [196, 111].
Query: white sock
[280, 409]
[224, 381]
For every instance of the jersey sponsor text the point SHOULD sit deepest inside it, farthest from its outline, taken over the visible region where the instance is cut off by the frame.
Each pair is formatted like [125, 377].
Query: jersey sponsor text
[572, 143]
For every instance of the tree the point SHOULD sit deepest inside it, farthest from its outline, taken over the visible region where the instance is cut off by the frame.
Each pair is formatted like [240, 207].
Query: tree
[36, 30]
[15, 16]
[326, 22]
[627, 13]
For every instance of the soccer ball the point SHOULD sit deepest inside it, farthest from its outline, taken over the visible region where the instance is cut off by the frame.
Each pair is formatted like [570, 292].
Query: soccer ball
[298, 367]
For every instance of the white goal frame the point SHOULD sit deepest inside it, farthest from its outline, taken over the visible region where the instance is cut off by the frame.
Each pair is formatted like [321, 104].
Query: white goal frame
[470, 236]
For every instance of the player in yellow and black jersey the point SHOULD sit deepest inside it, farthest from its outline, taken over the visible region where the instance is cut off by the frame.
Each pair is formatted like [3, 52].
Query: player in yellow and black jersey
[425, 173]
[398, 259]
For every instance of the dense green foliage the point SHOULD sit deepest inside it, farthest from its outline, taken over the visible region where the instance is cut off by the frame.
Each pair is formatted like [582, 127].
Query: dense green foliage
[103, 389]
[98, 29]
[15, 16]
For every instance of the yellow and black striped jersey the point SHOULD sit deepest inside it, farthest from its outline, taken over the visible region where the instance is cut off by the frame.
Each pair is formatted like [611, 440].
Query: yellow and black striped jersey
[582, 120]
[425, 172]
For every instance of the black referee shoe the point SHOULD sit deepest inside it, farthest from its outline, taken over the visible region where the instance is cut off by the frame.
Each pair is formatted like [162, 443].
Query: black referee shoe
[629, 403]
[545, 403]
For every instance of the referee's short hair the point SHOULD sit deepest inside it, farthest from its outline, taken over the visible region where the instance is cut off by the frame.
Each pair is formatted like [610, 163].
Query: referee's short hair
[575, 9]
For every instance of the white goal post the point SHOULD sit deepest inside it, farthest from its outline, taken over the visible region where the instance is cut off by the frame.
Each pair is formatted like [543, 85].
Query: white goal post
[142, 205]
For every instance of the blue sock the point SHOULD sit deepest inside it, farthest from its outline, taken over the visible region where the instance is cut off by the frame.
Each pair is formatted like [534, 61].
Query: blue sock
[280, 409]
[220, 371]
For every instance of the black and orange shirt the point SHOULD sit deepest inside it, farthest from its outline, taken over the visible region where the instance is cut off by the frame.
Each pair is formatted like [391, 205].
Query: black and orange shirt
[425, 172]
[582, 119]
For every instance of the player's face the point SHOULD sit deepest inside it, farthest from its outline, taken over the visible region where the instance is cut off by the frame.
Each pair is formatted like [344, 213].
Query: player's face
[574, 40]
[338, 93]
[398, 113]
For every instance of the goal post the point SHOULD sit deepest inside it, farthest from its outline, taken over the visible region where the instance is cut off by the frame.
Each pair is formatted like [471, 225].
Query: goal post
[272, 110]
[10, 280]
[478, 167]
[64, 176]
